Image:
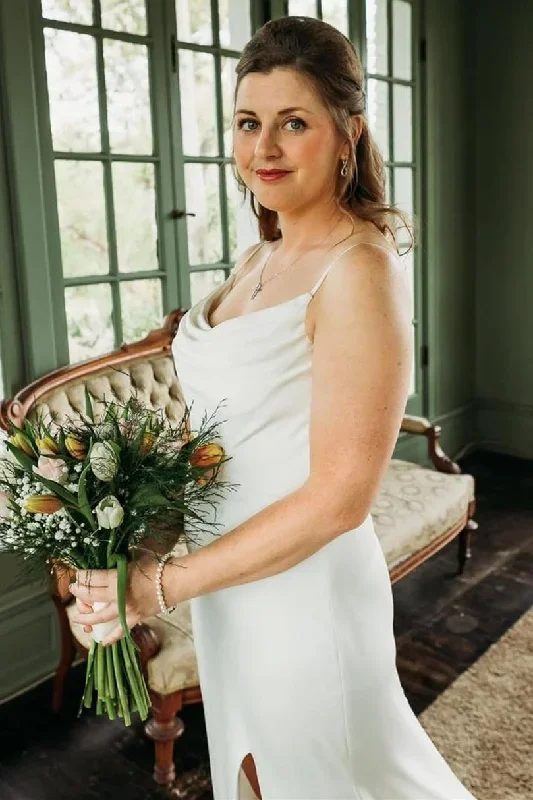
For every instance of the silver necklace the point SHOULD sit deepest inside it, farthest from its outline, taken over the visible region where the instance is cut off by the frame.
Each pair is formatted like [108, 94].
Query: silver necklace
[261, 282]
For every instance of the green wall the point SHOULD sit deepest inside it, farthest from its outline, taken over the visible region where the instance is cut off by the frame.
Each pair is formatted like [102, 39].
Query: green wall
[504, 234]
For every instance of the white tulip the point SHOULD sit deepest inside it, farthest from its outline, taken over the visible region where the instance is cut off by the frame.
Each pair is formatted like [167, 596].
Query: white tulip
[104, 460]
[109, 513]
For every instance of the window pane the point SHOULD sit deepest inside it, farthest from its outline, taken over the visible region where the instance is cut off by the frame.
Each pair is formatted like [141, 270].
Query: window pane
[228, 88]
[142, 308]
[204, 235]
[198, 103]
[336, 13]
[235, 198]
[302, 8]
[135, 216]
[80, 11]
[235, 26]
[82, 223]
[202, 283]
[378, 114]
[128, 97]
[243, 228]
[120, 16]
[403, 128]
[401, 40]
[89, 320]
[388, 193]
[403, 191]
[194, 21]
[376, 35]
[72, 90]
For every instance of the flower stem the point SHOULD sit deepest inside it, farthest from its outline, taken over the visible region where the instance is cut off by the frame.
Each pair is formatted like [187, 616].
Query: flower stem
[111, 683]
[135, 678]
[123, 699]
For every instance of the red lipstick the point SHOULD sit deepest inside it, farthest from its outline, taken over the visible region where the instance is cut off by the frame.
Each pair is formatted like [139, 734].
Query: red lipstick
[272, 174]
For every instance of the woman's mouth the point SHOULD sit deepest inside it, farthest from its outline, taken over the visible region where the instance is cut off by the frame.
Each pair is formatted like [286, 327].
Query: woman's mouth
[272, 174]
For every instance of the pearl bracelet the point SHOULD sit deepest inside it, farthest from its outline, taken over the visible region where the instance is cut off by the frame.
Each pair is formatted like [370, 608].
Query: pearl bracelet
[158, 584]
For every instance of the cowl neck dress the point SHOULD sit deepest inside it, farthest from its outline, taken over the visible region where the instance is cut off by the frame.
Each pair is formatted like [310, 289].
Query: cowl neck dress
[298, 669]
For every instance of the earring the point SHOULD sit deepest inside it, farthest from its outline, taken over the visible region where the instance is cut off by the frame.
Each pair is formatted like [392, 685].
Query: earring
[344, 168]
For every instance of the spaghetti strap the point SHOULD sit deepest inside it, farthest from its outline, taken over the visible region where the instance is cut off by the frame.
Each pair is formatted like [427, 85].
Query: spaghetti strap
[318, 284]
[249, 256]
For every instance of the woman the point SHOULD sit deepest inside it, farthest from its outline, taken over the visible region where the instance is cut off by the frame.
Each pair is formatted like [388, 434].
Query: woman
[292, 607]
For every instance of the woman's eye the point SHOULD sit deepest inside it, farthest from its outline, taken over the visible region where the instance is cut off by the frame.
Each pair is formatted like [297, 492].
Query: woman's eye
[298, 122]
[242, 122]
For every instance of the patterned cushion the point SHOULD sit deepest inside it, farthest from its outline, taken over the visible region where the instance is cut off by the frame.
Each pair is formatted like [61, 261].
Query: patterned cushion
[154, 382]
[416, 505]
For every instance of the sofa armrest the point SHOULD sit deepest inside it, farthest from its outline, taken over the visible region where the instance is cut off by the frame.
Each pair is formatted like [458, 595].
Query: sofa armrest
[423, 427]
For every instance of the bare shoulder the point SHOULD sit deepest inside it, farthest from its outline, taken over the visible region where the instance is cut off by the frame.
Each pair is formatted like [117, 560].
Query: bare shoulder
[368, 278]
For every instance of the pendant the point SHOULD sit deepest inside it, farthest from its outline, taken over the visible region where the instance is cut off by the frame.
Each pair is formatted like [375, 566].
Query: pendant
[258, 288]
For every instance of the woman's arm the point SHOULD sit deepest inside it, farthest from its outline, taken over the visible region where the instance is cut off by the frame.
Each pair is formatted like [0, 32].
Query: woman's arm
[362, 359]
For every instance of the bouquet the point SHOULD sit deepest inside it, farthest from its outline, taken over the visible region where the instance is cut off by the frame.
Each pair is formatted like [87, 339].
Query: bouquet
[88, 494]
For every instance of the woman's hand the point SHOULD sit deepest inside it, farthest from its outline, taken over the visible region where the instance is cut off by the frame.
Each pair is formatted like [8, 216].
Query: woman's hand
[100, 585]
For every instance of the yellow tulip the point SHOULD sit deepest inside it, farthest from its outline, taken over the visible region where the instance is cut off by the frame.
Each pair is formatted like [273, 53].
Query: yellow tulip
[43, 504]
[208, 455]
[21, 442]
[75, 447]
[47, 445]
[148, 442]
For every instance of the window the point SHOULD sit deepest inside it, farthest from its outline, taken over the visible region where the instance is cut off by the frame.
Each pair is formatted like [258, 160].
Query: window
[107, 167]
[210, 37]
[391, 108]
[333, 11]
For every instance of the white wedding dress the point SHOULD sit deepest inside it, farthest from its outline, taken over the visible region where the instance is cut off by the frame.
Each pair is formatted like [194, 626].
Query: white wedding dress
[298, 669]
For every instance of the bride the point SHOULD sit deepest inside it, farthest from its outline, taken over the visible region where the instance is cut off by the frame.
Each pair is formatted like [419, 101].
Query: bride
[309, 342]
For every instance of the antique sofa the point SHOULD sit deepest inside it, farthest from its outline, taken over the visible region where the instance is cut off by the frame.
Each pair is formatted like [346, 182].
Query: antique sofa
[417, 511]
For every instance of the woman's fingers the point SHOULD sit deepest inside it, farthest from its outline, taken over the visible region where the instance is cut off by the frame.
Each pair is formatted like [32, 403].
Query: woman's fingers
[93, 594]
[82, 607]
[107, 614]
[97, 578]
[118, 632]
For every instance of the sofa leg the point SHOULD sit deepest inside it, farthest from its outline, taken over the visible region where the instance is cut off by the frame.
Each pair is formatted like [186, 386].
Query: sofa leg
[465, 541]
[164, 727]
[68, 652]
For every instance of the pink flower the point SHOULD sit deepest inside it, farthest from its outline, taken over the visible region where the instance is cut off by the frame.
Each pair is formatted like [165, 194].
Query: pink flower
[6, 511]
[176, 445]
[54, 469]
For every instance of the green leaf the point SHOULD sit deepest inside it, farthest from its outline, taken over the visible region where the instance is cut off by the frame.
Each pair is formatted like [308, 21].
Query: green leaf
[148, 495]
[88, 405]
[25, 461]
[122, 588]
[83, 500]
[60, 491]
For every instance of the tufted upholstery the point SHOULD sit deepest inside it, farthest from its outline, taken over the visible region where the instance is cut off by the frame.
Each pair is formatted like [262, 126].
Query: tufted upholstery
[153, 380]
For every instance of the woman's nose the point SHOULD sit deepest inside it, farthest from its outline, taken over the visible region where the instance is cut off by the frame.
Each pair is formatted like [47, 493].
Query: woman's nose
[267, 145]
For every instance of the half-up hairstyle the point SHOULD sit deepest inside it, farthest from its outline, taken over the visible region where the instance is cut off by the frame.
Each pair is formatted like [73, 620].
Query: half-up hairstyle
[325, 56]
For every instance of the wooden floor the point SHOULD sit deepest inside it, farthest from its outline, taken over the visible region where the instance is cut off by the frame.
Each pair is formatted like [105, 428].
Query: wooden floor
[443, 624]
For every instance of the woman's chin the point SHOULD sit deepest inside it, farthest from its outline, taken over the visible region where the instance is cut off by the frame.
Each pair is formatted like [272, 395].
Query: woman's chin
[278, 203]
